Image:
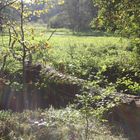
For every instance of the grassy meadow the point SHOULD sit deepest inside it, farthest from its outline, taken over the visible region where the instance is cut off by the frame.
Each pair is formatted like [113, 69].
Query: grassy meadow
[90, 55]
[95, 56]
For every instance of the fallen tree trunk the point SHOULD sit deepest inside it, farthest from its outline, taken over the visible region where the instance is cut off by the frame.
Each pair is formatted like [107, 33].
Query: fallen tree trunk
[46, 87]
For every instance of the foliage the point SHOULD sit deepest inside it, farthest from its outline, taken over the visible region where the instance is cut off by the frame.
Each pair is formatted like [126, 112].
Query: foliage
[64, 124]
[102, 63]
[94, 104]
[18, 47]
[79, 10]
[101, 60]
[127, 85]
[121, 17]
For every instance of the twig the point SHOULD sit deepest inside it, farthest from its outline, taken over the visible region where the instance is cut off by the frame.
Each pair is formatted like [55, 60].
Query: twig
[7, 4]
[51, 35]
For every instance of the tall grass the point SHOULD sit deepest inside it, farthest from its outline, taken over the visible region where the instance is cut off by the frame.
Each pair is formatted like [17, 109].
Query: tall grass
[51, 124]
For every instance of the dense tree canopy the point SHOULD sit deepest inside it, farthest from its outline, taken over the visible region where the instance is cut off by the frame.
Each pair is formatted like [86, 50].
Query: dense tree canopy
[80, 13]
[74, 14]
[122, 16]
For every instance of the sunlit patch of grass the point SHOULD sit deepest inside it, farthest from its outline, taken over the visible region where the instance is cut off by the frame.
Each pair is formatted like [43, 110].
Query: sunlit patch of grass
[65, 37]
[64, 45]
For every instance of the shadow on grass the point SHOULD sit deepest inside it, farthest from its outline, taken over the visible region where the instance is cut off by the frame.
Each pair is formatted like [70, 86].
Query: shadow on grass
[91, 33]
[68, 32]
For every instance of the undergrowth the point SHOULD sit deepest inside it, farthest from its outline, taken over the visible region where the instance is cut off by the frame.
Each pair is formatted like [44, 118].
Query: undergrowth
[52, 124]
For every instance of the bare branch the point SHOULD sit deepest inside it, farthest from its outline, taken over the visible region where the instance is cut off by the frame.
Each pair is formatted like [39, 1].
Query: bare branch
[51, 35]
[4, 62]
[13, 52]
[7, 4]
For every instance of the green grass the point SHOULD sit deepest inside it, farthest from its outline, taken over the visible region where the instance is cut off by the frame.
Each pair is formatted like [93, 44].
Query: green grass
[65, 37]
[42, 32]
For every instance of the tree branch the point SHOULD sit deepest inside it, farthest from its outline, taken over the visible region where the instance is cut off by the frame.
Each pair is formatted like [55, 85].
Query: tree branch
[7, 4]
[51, 35]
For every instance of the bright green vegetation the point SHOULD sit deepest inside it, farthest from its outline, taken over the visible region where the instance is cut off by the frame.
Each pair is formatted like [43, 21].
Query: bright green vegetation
[102, 60]
[64, 124]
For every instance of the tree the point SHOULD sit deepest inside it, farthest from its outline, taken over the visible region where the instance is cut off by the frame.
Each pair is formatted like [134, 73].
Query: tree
[119, 16]
[20, 47]
[3, 5]
[80, 13]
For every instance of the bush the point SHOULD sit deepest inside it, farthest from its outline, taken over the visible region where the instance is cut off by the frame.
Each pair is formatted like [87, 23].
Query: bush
[103, 64]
